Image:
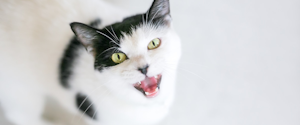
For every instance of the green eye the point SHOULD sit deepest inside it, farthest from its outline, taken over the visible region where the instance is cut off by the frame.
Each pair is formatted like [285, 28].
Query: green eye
[155, 43]
[118, 57]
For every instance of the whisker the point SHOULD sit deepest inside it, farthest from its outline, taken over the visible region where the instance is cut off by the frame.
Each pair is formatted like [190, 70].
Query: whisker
[154, 16]
[198, 76]
[111, 34]
[193, 64]
[114, 33]
[147, 14]
[88, 96]
[107, 50]
[159, 22]
[184, 75]
[82, 104]
[114, 50]
[194, 74]
[95, 113]
[97, 109]
[143, 20]
[97, 101]
[108, 37]
[86, 110]
[180, 62]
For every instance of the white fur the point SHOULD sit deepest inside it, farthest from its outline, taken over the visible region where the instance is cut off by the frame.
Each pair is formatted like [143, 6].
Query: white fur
[34, 35]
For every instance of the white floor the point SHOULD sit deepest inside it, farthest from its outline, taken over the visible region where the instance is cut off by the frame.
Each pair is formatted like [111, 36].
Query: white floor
[240, 63]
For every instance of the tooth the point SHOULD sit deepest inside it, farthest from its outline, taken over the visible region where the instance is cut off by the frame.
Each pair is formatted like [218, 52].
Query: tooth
[147, 93]
[155, 77]
[139, 83]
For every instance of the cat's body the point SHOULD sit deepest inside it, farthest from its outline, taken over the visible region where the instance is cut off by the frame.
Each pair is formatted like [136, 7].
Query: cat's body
[40, 57]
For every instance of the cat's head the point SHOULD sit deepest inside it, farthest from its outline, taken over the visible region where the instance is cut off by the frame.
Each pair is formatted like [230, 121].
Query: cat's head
[138, 56]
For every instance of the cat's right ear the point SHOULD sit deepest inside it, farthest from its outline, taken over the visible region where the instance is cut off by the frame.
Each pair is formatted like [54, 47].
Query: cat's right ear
[86, 34]
[160, 10]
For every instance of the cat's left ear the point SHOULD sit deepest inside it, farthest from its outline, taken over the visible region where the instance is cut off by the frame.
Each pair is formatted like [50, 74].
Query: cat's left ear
[160, 10]
[87, 35]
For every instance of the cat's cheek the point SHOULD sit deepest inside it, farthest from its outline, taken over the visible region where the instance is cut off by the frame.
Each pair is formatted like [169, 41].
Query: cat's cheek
[131, 76]
[156, 69]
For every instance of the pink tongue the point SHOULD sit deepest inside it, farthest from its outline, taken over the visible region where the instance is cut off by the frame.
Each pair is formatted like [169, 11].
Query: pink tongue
[149, 84]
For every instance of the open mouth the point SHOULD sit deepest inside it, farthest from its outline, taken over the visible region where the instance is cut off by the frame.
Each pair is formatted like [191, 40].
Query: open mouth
[149, 86]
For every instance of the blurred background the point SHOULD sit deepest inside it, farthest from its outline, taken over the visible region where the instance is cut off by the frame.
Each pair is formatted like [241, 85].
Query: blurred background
[240, 62]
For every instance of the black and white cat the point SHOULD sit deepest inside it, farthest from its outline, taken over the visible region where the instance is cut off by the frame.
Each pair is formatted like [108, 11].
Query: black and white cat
[116, 71]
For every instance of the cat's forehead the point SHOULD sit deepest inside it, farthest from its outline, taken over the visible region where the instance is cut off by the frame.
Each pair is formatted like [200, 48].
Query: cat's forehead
[136, 43]
[134, 34]
[137, 24]
[125, 27]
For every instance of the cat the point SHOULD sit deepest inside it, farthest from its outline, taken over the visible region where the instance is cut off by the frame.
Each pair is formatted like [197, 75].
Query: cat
[114, 68]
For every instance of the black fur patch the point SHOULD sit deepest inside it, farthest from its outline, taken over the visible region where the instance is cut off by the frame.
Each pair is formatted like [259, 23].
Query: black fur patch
[158, 16]
[69, 57]
[86, 106]
[95, 23]
[105, 41]
[104, 48]
[67, 62]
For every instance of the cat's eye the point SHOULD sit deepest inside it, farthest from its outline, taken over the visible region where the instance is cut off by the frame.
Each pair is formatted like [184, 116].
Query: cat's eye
[118, 57]
[155, 43]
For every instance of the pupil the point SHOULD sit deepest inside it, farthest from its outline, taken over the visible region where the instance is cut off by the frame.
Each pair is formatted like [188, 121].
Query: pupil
[118, 56]
[153, 43]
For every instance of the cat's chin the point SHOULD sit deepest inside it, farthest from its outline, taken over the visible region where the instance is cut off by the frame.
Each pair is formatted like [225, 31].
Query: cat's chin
[149, 86]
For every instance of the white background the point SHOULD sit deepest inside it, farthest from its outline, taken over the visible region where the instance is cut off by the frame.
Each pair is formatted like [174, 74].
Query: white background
[240, 62]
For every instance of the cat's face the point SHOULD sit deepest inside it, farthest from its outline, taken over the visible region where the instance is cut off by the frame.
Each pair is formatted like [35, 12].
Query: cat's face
[137, 57]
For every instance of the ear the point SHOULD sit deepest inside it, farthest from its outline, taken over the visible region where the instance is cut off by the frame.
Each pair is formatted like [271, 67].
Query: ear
[86, 34]
[160, 9]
